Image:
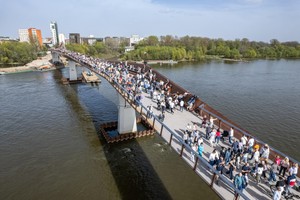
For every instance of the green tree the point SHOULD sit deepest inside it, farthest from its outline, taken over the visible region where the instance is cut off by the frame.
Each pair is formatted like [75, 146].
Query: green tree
[250, 53]
[152, 41]
[17, 52]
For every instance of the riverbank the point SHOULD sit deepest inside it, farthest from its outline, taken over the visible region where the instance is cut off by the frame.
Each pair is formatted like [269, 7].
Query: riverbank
[204, 58]
[151, 62]
[40, 64]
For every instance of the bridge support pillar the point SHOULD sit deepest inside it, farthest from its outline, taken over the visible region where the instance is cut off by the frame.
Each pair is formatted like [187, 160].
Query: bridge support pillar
[55, 57]
[72, 70]
[126, 118]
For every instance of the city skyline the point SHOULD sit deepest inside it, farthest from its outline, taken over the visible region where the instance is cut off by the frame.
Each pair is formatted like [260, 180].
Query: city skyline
[259, 20]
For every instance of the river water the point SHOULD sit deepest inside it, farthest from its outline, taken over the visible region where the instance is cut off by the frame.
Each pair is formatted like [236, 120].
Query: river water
[262, 96]
[50, 148]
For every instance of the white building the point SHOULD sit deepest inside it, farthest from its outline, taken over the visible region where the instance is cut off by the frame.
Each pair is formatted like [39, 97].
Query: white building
[23, 35]
[54, 31]
[134, 39]
[62, 38]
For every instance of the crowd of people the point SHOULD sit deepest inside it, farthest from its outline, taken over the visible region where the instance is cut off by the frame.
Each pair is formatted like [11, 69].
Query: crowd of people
[239, 159]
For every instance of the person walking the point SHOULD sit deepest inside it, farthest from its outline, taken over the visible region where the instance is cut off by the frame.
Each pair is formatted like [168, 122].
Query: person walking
[207, 132]
[219, 168]
[194, 149]
[218, 136]
[290, 183]
[294, 169]
[211, 121]
[213, 157]
[239, 181]
[185, 137]
[200, 149]
[231, 134]
[285, 163]
[259, 171]
[203, 124]
[181, 104]
[264, 153]
[150, 111]
[277, 194]
[212, 136]
[250, 144]
[172, 104]
[272, 172]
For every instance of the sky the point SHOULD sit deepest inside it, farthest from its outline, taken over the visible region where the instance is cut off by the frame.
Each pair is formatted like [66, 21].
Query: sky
[258, 20]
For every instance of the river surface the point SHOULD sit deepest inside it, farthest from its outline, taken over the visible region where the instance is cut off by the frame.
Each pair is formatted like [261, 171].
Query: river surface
[261, 96]
[50, 148]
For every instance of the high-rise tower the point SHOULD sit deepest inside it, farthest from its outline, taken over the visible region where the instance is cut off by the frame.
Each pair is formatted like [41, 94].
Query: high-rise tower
[35, 35]
[54, 31]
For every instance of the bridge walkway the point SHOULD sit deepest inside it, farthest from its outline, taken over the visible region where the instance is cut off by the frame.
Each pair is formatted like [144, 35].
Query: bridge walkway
[172, 129]
[176, 123]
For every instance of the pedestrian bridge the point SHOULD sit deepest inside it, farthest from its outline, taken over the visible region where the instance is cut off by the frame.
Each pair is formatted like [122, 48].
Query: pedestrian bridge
[174, 125]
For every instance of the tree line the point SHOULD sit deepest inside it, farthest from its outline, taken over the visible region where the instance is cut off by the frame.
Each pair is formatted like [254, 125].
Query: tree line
[163, 48]
[198, 48]
[98, 49]
[19, 53]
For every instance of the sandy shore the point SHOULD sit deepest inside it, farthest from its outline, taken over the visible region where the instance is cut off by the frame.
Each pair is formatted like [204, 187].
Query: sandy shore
[42, 63]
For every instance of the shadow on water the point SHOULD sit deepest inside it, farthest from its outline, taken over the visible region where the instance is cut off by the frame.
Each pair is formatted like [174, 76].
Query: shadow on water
[133, 173]
[140, 180]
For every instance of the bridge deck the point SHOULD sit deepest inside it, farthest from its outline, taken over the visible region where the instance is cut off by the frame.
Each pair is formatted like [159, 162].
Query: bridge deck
[177, 123]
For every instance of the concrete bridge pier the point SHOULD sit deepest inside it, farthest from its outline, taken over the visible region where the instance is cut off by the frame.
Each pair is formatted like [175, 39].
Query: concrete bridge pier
[72, 70]
[126, 117]
[55, 57]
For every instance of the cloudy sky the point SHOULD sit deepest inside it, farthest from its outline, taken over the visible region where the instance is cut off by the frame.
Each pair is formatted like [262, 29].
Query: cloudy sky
[260, 20]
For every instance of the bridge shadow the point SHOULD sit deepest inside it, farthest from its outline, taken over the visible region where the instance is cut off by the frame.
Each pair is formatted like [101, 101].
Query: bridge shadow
[132, 171]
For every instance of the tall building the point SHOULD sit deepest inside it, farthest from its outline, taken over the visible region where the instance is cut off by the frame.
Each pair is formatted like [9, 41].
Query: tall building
[31, 35]
[23, 35]
[35, 35]
[54, 31]
[62, 38]
[74, 38]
